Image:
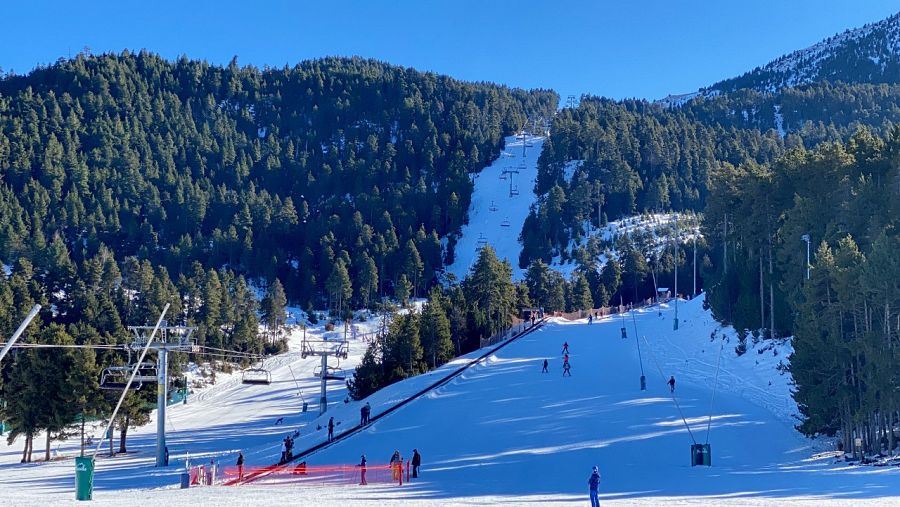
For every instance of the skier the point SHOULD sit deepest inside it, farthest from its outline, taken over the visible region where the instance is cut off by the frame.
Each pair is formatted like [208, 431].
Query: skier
[671, 383]
[566, 358]
[396, 465]
[362, 416]
[565, 348]
[240, 466]
[368, 411]
[590, 319]
[362, 470]
[416, 463]
[567, 370]
[331, 429]
[545, 370]
[283, 451]
[532, 320]
[594, 484]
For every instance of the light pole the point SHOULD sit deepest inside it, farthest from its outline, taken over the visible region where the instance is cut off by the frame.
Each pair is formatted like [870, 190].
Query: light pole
[805, 237]
[675, 325]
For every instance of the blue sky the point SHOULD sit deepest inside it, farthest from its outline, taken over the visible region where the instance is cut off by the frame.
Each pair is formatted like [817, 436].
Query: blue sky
[614, 48]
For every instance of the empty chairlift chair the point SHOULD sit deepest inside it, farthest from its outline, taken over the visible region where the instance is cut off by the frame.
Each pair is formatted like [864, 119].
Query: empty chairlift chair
[256, 376]
[116, 378]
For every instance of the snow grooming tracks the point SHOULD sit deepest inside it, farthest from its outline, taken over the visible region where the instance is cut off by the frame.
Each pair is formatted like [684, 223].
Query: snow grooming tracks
[264, 471]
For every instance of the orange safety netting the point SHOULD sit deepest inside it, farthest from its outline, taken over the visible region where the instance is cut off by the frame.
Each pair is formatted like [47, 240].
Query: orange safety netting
[328, 475]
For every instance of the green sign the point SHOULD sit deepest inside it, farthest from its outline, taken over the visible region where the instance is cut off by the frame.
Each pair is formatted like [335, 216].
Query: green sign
[84, 478]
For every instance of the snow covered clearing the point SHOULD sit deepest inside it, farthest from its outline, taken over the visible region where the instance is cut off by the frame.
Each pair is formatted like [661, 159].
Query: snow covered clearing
[496, 217]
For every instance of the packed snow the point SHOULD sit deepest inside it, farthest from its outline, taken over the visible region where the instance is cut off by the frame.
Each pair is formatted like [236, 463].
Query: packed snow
[505, 433]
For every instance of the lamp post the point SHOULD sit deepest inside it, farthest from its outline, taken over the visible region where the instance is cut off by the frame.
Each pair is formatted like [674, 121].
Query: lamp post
[805, 237]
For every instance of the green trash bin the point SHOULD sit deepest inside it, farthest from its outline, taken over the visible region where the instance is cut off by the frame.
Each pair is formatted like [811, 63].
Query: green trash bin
[701, 455]
[84, 478]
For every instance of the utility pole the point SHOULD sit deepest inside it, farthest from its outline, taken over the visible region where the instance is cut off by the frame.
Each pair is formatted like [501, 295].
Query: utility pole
[676, 274]
[695, 265]
[806, 238]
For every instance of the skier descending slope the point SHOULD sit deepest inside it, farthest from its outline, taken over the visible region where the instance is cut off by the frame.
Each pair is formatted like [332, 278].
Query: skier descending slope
[594, 485]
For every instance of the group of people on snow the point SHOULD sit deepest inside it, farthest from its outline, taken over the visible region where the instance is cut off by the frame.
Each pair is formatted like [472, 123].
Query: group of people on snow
[567, 368]
[287, 449]
[364, 414]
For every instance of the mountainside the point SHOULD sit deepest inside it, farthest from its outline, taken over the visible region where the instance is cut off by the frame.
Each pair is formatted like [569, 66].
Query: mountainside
[335, 169]
[869, 54]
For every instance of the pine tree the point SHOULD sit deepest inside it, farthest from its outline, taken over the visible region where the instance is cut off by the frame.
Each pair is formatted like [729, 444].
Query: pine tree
[402, 290]
[581, 293]
[339, 287]
[435, 330]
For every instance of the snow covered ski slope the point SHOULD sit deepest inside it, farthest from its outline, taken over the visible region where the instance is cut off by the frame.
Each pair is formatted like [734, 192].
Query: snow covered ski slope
[503, 433]
[495, 216]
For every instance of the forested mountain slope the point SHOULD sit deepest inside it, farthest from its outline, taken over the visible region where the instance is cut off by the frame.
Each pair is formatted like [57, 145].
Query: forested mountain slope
[343, 166]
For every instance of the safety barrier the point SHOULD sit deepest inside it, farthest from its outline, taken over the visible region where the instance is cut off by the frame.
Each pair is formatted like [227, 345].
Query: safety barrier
[327, 475]
[265, 471]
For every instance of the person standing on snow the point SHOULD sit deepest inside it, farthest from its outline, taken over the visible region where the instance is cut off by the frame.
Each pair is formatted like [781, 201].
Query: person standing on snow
[368, 411]
[283, 451]
[362, 416]
[416, 463]
[362, 470]
[565, 348]
[240, 466]
[590, 319]
[545, 370]
[331, 429]
[671, 383]
[567, 369]
[396, 465]
[594, 485]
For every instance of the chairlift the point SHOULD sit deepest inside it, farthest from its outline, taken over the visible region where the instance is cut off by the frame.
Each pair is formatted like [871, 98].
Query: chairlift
[482, 241]
[503, 176]
[116, 378]
[331, 373]
[493, 207]
[505, 223]
[256, 376]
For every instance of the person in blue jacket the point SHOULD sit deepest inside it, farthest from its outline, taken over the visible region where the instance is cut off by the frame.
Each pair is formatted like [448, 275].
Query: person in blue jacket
[594, 484]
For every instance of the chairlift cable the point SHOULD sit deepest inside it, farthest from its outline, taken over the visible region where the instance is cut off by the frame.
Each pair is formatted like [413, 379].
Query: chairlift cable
[640, 359]
[680, 413]
[712, 397]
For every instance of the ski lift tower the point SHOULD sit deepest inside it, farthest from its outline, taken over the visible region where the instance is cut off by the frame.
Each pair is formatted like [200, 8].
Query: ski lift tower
[513, 189]
[323, 348]
[168, 338]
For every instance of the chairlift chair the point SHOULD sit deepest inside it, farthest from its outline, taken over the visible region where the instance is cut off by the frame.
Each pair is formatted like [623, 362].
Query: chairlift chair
[256, 376]
[505, 223]
[493, 207]
[331, 373]
[116, 378]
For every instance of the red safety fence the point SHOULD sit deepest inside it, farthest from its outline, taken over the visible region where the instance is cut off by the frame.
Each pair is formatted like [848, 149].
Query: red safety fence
[317, 475]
